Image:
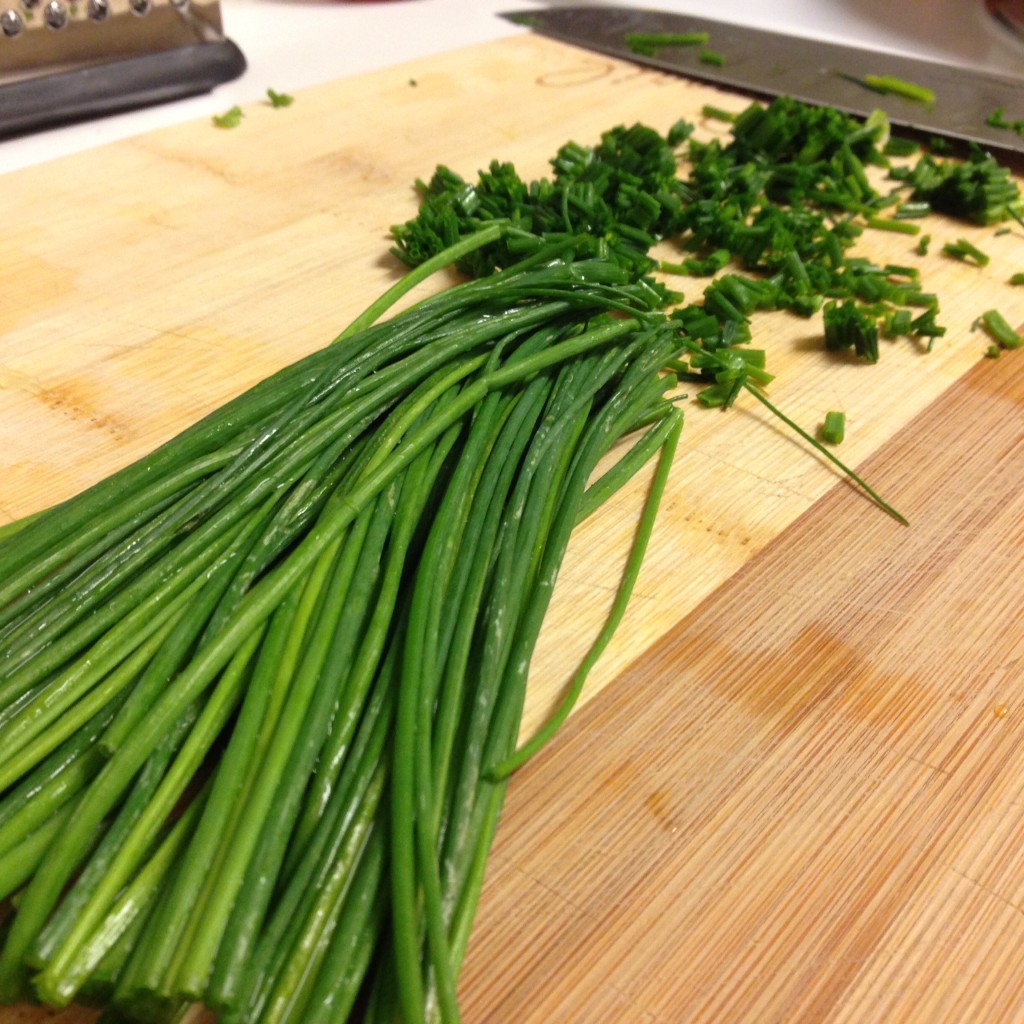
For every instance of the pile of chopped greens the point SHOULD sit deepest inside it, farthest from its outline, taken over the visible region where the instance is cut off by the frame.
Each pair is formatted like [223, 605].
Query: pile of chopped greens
[782, 200]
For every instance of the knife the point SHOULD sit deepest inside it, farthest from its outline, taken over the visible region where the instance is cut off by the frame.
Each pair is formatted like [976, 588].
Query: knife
[821, 73]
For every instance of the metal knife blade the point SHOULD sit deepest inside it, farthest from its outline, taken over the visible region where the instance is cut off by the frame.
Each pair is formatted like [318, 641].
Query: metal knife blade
[821, 73]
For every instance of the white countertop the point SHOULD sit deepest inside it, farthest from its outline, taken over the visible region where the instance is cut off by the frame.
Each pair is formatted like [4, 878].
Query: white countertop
[290, 44]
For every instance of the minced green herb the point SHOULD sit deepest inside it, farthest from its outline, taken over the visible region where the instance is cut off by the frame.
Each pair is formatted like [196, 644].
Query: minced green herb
[997, 119]
[1017, 278]
[1000, 330]
[889, 85]
[717, 113]
[229, 119]
[912, 210]
[977, 189]
[892, 224]
[279, 99]
[833, 430]
[900, 146]
[964, 251]
[649, 43]
[712, 57]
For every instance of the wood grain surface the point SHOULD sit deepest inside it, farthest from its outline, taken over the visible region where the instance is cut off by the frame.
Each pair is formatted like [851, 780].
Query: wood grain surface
[793, 795]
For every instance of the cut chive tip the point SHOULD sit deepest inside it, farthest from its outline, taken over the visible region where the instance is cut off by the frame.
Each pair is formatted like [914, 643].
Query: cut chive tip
[833, 430]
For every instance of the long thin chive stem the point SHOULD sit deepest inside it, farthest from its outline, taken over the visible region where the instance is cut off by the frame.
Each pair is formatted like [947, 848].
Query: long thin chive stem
[419, 274]
[669, 433]
[818, 446]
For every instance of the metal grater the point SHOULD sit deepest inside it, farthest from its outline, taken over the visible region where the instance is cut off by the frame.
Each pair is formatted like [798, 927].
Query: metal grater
[67, 60]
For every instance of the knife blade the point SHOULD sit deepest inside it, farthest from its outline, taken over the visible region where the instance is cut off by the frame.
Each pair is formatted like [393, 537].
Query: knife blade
[816, 72]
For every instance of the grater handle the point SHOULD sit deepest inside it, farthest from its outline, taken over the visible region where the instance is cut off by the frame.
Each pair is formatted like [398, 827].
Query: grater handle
[116, 86]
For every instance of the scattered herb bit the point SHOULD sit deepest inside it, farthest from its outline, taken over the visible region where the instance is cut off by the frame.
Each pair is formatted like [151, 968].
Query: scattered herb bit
[900, 146]
[1000, 330]
[922, 245]
[848, 326]
[964, 251]
[1001, 232]
[977, 189]
[889, 85]
[229, 119]
[413, 82]
[712, 57]
[1017, 278]
[279, 99]
[997, 119]
[649, 43]
[892, 224]
[993, 351]
[717, 113]
[679, 132]
[834, 428]
[697, 267]
[912, 210]
[898, 323]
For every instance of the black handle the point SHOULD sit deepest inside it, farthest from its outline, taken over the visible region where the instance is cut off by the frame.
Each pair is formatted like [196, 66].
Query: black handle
[115, 86]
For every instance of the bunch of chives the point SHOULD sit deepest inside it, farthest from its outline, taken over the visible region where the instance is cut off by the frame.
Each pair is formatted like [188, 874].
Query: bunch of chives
[265, 684]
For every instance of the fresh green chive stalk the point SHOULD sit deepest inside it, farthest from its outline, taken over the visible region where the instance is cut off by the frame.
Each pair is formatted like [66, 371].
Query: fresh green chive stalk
[252, 653]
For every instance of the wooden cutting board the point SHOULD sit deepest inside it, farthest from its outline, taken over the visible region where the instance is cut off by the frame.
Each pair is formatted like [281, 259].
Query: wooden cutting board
[794, 794]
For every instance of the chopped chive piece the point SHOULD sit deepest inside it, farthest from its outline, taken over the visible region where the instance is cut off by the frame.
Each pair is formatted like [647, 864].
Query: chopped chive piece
[964, 251]
[922, 244]
[993, 352]
[900, 147]
[892, 224]
[997, 119]
[834, 429]
[712, 57]
[229, 119]
[279, 99]
[717, 113]
[889, 85]
[848, 326]
[1017, 278]
[899, 323]
[896, 270]
[1001, 232]
[997, 326]
[912, 210]
[648, 43]
[679, 132]
[705, 267]
[977, 189]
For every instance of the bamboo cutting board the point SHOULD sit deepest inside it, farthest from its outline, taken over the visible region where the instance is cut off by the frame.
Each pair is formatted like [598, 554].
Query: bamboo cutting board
[793, 794]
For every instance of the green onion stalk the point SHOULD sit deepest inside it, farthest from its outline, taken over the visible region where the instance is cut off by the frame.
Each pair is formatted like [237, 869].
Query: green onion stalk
[266, 684]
